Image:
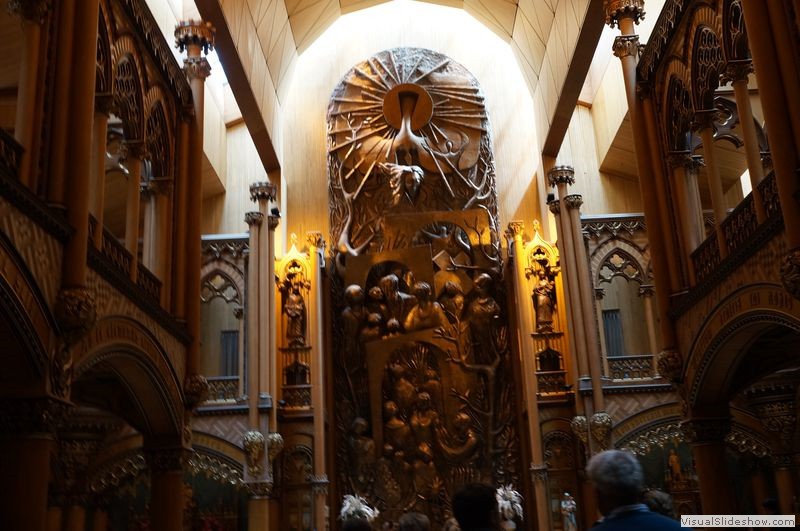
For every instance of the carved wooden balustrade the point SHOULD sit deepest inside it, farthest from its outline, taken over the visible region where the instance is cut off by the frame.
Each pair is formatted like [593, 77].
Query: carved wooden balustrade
[552, 386]
[10, 152]
[631, 367]
[222, 389]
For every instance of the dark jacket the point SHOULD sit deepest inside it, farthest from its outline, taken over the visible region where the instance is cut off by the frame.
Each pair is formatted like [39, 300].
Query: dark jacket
[637, 520]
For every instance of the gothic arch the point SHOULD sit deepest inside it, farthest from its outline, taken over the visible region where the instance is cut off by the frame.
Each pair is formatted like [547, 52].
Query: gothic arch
[228, 272]
[129, 86]
[103, 84]
[120, 357]
[159, 134]
[707, 64]
[734, 32]
[638, 258]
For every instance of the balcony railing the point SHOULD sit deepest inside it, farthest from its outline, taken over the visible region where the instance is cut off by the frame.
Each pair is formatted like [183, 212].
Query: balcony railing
[706, 258]
[740, 224]
[223, 389]
[10, 153]
[631, 367]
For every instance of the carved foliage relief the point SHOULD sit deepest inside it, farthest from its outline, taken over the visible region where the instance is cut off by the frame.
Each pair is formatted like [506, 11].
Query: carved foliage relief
[421, 357]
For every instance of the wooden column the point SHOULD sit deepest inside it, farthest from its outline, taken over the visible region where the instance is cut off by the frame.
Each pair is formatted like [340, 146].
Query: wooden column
[599, 293]
[34, 14]
[61, 103]
[100, 519]
[97, 187]
[707, 439]
[705, 122]
[179, 244]
[166, 488]
[646, 292]
[316, 248]
[783, 140]
[525, 320]
[739, 72]
[273, 383]
[687, 196]
[626, 13]
[254, 220]
[238, 312]
[586, 291]
[196, 38]
[133, 161]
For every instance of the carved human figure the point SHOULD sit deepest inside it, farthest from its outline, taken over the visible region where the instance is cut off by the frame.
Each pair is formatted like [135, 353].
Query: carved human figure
[544, 301]
[405, 394]
[424, 419]
[372, 329]
[482, 313]
[674, 463]
[464, 443]
[424, 470]
[354, 315]
[452, 300]
[404, 181]
[427, 313]
[397, 434]
[433, 386]
[295, 309]
[568, 510]
[397, 303]
[362, 454]
[376, 303]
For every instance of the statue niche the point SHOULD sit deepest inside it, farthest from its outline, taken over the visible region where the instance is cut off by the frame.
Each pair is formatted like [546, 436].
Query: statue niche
[422, 367]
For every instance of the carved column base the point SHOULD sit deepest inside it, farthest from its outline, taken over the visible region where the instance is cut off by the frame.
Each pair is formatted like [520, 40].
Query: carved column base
[790, 272]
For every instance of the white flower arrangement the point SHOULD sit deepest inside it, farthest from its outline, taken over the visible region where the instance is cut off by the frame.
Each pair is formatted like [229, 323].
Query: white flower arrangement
[354, 507]
[509, 502]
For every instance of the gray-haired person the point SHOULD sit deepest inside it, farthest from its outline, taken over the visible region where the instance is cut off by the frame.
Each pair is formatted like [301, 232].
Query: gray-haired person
[414, 522]
[618, 480]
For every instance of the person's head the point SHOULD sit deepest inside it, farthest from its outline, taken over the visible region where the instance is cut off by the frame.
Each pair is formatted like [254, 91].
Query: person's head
[770, 505]
[356, 524]
[354, 295]
[475, 507]
[414, 522]
[422, 291]
[659, 502]
[617, 477]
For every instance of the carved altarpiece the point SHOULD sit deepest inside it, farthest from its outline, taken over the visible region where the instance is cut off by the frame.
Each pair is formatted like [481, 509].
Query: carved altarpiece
[422, 365]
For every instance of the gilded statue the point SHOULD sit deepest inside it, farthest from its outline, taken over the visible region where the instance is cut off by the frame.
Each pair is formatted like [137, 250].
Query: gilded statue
[544, 301]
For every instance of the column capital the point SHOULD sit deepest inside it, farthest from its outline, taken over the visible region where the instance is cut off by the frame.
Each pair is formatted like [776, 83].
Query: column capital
[574, 201]
[538, 472]
[263, 191]
[35, 11]
[790, 272]
[616, 10]
[561, 175]
[706, 430]
[134, 149]
[599, 293]
[580, 427]
[555, 207]
[705, 119]
[259, 489]
[253, 218]
[195, 33]
[42, 415]
[600, 426]
[319, 484]
[254, 444]
[163, 460]
[626, 45]
[238, 312]
[273, 221]
[195, 390]
[647, 290]
[670, 365]
[104, 102]
[315, 239]
[196, 68]
[515, 230]
[737, 70]
[684, 159]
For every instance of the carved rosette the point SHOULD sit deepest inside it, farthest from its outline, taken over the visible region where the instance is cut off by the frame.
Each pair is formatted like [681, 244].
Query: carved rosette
[709, 430]
[670, 365]
[75, 313]
[254, 444]
[580, 427]
[253, 218]
[263, 191]
[319, 484]
[617, 10]
[538, 472]
[626, 46]
[195, 33]
[195, 390]
[574, 201]
[600, 426]
[790, 272]
[561, 175]
[31, 10]
[737, 70]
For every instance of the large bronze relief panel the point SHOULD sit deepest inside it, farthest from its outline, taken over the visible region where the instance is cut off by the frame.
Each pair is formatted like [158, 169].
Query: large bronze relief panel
[423, 392]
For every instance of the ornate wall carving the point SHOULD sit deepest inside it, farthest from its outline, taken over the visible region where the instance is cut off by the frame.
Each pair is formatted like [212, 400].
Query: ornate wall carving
[421, 362]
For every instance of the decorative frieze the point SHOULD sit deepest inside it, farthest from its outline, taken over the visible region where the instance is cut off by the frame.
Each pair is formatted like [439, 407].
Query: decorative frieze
[22, 417]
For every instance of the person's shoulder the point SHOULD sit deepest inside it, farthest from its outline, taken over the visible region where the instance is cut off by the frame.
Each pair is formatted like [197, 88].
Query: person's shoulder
[639, 520]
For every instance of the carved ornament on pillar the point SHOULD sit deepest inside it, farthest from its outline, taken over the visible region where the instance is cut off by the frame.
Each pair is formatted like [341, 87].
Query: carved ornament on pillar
[319, 484]
[626, 45]
[580, 427]
[273, 221]
[737, 70]
[195, 390]
[259, 489]
[72, 463]
[670, 365]
[195, 32]
[104, 103]
[561, 174]
[162, 460]
[555, 207]
[75, 312]
[600, 426]
[514, 230]
[238, 312]
[133, 149]
[263, 190]
[704, 119]
[33, 415]
[254, 443]
[31, 10]
[538, 472]
[619, 9]
[599, 293]
[684, 159]
[706, 430]
[196, 68]
[160, 185]
[790, 272]
[274, 447]
[253, 218]
[574, 201]
[647, 290]
[315, 239]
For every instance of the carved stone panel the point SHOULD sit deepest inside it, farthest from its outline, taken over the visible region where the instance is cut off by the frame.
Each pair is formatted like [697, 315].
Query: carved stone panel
[422, 363]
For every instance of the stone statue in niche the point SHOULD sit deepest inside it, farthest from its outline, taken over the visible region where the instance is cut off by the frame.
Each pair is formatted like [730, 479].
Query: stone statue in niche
[294, 306]
[544, 301]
